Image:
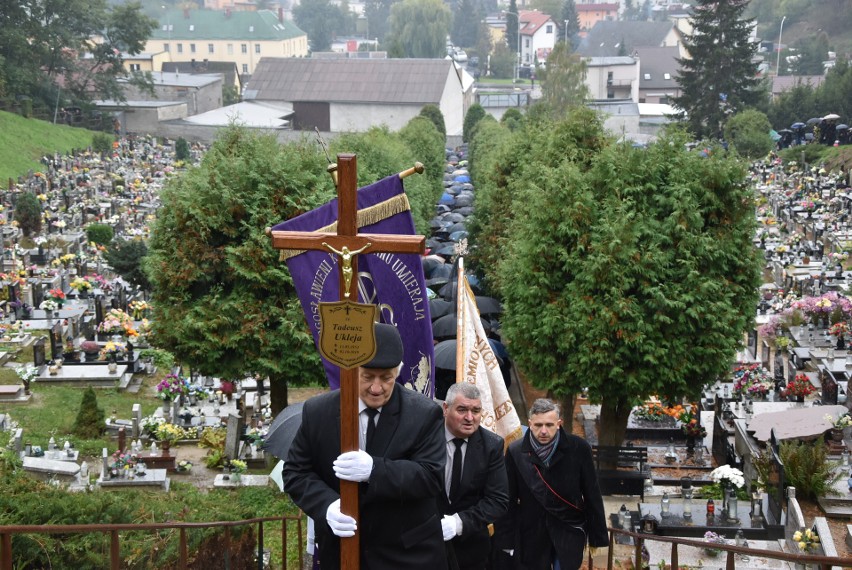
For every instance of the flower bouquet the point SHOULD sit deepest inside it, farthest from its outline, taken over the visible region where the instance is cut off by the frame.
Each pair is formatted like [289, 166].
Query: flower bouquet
[760, 389]
[49, 306]
[694, 429]
[121, 463]
[839, 329]
[171, 387]
[184, 466]
[27, 374]
[81, 285]
[652, 412]
[139, 309]
[713, 539]
[728, 476]
[149, 425]
[841, 422]
[169, 432]
[111, 351]
[800, 387]
[117, 322]
[807, 541]
[56, 295]
[237, 466]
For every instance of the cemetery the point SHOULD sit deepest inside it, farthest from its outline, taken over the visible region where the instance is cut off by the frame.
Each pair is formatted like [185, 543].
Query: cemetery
[712, 470]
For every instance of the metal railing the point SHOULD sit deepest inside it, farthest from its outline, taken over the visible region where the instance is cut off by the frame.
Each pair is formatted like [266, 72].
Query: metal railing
[639, 538]
[8, 531]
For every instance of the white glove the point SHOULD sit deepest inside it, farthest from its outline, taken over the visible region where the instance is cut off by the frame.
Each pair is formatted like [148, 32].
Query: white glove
[509, 552]
[448, 527]
[353, 466]
[341, 525]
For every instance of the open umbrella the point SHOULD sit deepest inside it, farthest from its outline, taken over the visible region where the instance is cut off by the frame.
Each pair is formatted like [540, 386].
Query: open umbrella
[445, 327]
[831, 117]
[798, 125]
[488, 306]
[453, 217]
[459, 235]
[446, 251]
[814, 120]
[439, 307]
[456, 227]
[842, 127]
[447, 199]
[462, 178]
[442, 270]
[430, 263]
[282, 430]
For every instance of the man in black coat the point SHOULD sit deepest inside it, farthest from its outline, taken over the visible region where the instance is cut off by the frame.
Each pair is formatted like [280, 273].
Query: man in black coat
[476, 490]
[555, 504]
[400, 469]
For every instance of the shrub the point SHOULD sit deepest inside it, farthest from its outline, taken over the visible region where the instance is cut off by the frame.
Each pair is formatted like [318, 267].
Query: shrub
[28, 213]
[101, 234]
[475, 114]
[434, 114]
[181, 149]
[806, 467]
[161, 358]
[90, 418]
[102, 142]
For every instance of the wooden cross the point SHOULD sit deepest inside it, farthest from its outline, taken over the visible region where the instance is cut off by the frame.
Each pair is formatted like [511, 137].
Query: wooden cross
[347, 236]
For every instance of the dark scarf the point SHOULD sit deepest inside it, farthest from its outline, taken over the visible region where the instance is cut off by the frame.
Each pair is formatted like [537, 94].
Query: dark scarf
[545, 452]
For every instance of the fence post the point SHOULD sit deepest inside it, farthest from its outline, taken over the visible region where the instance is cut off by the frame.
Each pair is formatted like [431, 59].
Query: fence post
[6, 555]
[114, 552]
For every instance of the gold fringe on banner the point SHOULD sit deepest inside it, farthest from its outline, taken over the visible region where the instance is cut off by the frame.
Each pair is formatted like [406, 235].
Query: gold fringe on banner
[366, 217]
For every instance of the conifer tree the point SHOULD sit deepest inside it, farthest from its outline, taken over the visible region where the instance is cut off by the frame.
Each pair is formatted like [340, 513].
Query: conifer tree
[719, 78]
[90, 419]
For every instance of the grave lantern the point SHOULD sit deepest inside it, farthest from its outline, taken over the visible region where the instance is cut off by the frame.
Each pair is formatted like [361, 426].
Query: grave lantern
[844, 458]
[686, 493]
[733, 506]
[623, 517]
[670, 455]
[649, 524]
[665, 504]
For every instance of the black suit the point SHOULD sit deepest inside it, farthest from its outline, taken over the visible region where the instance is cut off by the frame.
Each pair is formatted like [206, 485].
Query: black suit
[398, 525]
[484, 498]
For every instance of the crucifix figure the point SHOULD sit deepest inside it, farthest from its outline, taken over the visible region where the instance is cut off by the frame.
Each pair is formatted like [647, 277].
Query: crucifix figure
[347, 243]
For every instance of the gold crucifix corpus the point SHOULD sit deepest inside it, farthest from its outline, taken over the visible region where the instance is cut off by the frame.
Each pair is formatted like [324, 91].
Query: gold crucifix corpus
[346, 263]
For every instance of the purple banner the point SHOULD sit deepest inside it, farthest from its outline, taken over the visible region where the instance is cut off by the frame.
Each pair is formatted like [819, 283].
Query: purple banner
[391, 281]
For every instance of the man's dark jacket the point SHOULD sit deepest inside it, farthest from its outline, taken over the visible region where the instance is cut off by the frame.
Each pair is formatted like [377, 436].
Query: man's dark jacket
[399, 527]
[537, 516]
[484, 498]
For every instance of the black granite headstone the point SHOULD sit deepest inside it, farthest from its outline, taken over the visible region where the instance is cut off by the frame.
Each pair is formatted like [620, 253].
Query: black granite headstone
[56, 342]
[122, 298]
[100, 309]
[38, 353]
[38, 293]
[14, 292]
[87, 327]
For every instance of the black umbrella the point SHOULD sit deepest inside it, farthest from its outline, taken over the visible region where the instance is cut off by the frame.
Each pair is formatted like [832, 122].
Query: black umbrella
[798, 125]
[464, 210]
[457, 227]
[464, 200]
[842, 127]
[445, 327]
[785, 131]
[439, 307]
[452, 217]
[814, 120]
[282, 430]
[446, 251]
[442, 270]
[459, 235]
[445, 353]
[488, 306]
[436, 282]
[431, 263]
[441, 209]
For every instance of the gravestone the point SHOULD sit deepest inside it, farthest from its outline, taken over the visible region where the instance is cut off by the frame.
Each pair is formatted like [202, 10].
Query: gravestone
[38, 353]
[56, 343]
[233, 435]
[136, 421]
[87, 327]
[18, 440]
[122, 298]
[100, 309]
[38, 293]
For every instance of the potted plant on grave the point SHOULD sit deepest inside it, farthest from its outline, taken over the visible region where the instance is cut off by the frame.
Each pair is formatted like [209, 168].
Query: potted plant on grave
[70, 353]
[839, 330]
[82, 286]
[807, 540]
[49, 306]
[27, 374]
[713, 539]
[799, 387]
[237, 468]
[169, 434]
[111, 352]
[56, 295]
[170, 388]
[838, 425]
[117, 323]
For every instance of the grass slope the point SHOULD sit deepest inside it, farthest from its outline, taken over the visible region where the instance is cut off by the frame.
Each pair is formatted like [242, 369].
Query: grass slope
[24, 141]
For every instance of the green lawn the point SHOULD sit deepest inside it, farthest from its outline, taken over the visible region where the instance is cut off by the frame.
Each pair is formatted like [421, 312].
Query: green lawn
[24, 141]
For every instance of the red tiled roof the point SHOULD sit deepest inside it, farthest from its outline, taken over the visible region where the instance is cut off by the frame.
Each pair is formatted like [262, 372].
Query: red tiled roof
[532, 20]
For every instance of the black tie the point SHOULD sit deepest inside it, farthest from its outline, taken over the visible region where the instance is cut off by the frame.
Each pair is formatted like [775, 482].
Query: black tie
[455, 478]
[371, 425]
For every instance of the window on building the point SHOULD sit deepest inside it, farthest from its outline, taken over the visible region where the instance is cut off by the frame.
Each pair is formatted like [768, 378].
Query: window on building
[667, 76]
[610, 94]
[166, 47]
[548, 29]
[244, 48]
[647, 76]
[191, 48]
[135, 67]
[256, 48]
[245, 68]
[230, 49]
[609, 78]
[180, 48]
[209, 48]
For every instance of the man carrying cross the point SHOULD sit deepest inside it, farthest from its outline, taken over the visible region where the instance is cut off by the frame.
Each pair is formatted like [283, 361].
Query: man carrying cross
[399, 468]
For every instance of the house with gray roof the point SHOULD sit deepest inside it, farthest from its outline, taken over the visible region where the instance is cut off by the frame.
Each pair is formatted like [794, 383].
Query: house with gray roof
[204, 67]
[353, 95]
[622, 38]
[658, 74]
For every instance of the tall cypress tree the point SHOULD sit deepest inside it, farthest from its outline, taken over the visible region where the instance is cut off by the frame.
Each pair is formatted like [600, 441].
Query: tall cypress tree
[719, 78]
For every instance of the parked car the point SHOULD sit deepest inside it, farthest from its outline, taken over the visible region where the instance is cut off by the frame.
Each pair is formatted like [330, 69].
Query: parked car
[459, 55]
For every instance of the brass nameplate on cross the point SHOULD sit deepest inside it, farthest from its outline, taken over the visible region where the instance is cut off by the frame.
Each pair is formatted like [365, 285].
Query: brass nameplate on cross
[347, 338]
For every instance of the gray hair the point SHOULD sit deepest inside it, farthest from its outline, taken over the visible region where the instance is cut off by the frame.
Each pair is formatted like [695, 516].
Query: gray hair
[463, 389]
[545, 405]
